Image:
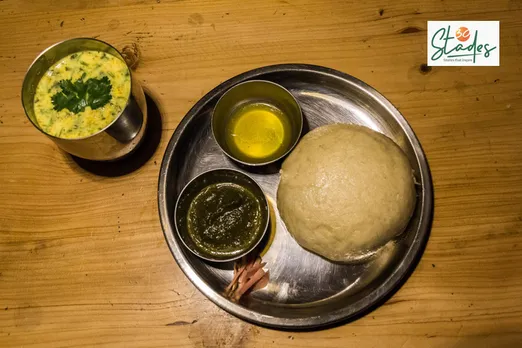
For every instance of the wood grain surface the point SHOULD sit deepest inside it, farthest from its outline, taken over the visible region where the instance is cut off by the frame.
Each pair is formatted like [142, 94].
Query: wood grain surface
[83, 261]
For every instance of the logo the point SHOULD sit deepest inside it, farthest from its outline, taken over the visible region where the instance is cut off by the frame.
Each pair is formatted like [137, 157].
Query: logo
[465, 43]
[462, 34]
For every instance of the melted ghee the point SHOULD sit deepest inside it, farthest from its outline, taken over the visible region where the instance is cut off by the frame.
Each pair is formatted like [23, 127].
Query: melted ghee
[258, 132]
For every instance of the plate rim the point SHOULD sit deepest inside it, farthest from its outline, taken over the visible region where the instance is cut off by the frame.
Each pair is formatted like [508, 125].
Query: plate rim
[387, 288]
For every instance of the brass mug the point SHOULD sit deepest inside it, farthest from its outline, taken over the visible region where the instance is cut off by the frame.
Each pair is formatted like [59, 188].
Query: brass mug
[117, 139]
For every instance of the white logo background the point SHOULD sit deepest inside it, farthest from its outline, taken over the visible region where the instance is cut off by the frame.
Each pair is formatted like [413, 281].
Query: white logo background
[488, 33]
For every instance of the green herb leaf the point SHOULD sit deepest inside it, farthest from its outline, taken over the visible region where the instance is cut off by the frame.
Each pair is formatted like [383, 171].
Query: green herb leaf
[78, 95]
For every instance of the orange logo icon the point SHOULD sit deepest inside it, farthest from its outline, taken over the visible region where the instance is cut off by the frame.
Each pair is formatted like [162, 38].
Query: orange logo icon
[462, 34]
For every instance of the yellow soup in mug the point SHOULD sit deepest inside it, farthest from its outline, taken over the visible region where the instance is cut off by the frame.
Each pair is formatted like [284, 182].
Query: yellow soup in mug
[82, 94]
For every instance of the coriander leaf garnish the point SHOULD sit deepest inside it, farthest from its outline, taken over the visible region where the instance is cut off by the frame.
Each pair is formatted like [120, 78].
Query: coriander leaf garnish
[78, 95]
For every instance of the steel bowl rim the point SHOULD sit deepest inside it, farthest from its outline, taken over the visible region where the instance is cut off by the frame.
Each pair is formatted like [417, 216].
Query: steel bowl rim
[290, 148]
[388, 286]
[47, 50]
[261, 236]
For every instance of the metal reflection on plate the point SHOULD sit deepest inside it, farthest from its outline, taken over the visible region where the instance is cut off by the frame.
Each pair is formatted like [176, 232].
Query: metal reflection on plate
[305, 290]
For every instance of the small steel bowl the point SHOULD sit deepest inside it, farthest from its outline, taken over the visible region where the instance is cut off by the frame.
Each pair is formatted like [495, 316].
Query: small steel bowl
[256, 91]
[191, 190]
[117, 139]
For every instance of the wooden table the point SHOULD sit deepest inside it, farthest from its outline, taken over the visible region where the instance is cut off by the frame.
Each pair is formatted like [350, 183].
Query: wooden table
[83, 260]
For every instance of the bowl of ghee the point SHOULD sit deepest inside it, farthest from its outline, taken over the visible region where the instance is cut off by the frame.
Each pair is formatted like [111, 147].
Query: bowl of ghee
[257, 122]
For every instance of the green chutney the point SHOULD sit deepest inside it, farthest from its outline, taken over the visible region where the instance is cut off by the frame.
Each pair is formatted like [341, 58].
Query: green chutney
[224, 219]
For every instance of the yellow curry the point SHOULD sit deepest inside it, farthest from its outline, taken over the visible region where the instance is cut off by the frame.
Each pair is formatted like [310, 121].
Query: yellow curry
[82, 94]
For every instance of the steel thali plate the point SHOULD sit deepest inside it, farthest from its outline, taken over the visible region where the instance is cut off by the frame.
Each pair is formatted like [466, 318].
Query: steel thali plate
[305, 290]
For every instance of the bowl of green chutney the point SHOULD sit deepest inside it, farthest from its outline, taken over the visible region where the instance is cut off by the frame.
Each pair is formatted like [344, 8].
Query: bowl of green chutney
[221, 215]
